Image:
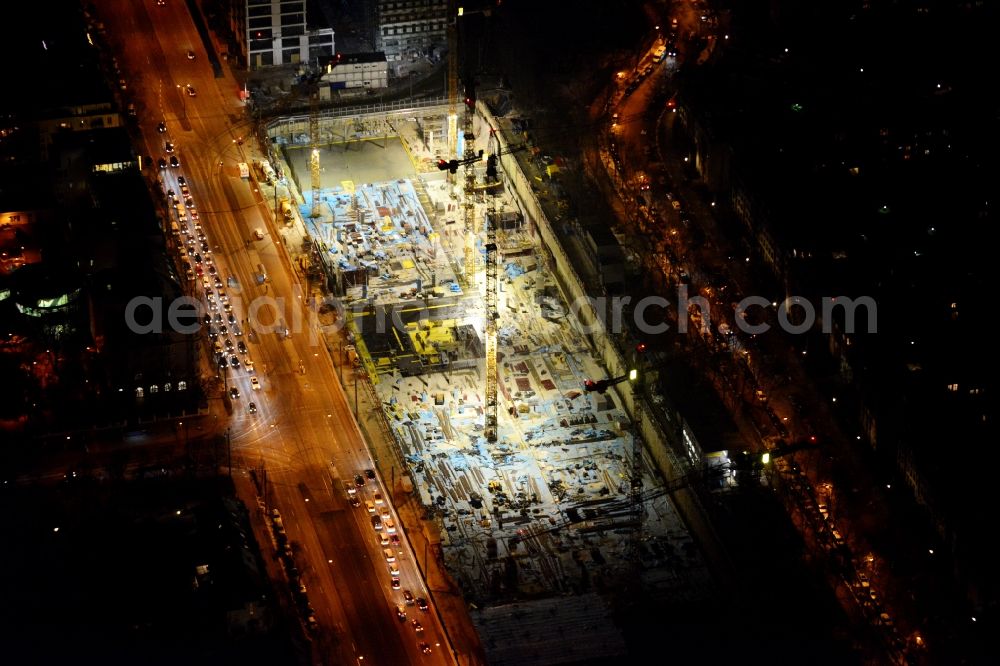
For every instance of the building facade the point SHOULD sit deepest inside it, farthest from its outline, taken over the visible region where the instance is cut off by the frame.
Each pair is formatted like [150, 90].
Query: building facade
[356, 70]
[410, 29]
[277, 34]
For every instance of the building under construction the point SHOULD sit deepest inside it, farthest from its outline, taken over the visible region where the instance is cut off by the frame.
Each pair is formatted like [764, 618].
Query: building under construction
[547, 510]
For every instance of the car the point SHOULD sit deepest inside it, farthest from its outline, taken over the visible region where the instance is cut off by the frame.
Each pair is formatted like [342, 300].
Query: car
[408, 597]
[234, 361]
[351, 490]
[395, 582]
[211, 269]
[197, 260]
[190, 55]
[252, 408]
[222, 362]
[190, 90]
[384, 512]
[216, 347]
[241, 347]
[370, 506]
[378, 498]
[231, 318]
[389, 554]
[169, 147]
[174, 162]
[161, 3]
[229, 344]
[421, 603]
[182, 181]
[401, 613]
[394, 539]
[162, 163]
[122, 84]
[254, 383]
[370, 473]
[359, 480]
[217, 318]
[390, 526]
[234, 393]
[376, 523]
[355, 502]
[172, 195]
[161, 128]
[425, 648]
[417, 627]
[383, 540]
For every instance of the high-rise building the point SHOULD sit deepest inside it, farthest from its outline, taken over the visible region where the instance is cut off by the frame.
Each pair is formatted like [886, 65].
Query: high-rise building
[409, 29]
[276, 33]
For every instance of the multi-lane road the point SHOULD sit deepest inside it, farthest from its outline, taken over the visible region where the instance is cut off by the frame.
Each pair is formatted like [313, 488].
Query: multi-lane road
[300, 428]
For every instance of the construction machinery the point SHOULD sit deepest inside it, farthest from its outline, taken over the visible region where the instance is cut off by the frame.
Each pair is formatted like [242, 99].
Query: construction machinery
[492, 294]
[314, 166]
[452, 79]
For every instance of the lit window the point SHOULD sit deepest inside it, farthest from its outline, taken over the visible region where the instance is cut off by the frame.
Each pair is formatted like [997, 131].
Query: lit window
[154, 389]
[953, 387]
[166, 387]
[139, 392]
[181, 386]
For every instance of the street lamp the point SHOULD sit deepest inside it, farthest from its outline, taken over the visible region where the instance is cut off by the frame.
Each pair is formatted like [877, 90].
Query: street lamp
[183, 90]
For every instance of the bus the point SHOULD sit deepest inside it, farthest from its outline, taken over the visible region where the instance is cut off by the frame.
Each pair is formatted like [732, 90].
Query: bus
[659, 54]
[244, 170]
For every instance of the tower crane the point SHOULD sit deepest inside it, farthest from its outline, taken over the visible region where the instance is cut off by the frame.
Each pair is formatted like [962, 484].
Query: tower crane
[637, 376]
[314, 166]
[469, 202]
[492, 295]
[452, 78]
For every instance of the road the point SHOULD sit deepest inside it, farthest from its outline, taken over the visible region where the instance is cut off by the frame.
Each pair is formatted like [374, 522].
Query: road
[760, 379]
[302, 432]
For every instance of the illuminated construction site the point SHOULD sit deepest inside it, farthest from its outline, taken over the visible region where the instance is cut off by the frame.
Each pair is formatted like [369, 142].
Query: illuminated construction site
[538, 509]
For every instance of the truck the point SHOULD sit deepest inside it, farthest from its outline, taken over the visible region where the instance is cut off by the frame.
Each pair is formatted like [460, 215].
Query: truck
[286, 210]
[244, 170]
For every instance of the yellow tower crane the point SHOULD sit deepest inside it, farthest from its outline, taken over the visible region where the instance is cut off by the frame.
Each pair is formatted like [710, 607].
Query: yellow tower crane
[314, 166]
[492, 298]
[453, 13]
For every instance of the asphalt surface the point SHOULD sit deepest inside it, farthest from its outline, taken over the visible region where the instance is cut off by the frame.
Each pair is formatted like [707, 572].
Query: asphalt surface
[303, 432]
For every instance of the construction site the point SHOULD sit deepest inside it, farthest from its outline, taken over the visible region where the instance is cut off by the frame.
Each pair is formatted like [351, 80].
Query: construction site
[547, 505]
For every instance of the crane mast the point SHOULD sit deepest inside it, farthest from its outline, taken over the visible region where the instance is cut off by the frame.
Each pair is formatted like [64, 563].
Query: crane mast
[469, 202]
[492, 296]
[452, 80]
[314, 166]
